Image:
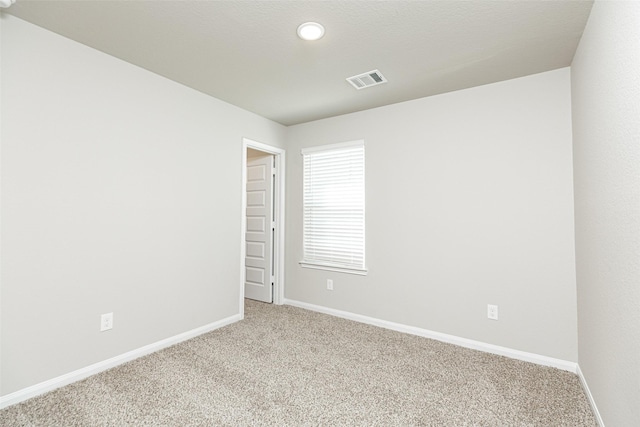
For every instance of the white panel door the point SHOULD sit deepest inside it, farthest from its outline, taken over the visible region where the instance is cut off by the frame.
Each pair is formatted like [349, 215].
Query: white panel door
[259, 238]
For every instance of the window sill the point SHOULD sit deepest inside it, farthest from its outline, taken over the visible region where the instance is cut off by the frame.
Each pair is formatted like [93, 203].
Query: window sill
[317, 266]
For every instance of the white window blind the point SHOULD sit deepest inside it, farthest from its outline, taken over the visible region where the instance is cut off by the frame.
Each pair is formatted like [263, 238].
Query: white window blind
[333, 201]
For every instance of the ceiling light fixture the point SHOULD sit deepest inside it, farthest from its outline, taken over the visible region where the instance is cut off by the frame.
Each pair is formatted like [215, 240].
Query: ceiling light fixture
[6, 3]
[310, 31]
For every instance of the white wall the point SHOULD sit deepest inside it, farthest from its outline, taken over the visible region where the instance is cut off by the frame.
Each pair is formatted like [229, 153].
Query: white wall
[605, 78]
[469, 201]
[120, 192]
[1, 101]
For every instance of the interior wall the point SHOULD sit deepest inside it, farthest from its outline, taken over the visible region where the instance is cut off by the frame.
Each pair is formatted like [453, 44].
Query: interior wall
[605, 76]
[121, 192]
[469, 202]
[1, 101]
[254, 154]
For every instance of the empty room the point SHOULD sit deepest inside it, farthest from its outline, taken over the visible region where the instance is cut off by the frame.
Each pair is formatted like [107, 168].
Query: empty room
[301, 213]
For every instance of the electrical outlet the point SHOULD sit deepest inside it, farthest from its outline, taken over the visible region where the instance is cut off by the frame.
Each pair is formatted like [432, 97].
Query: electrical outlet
[329, 284]
[106, 322]
[492, 312]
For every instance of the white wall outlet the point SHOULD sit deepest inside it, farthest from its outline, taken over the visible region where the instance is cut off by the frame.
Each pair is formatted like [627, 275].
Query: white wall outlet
[492, 311]
[329, 284]
[106, 322]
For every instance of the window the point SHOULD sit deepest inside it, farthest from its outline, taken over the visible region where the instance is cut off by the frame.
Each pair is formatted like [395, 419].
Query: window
[333, 203]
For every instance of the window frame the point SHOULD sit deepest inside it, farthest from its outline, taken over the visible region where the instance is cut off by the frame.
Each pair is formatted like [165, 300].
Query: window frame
[322, 264]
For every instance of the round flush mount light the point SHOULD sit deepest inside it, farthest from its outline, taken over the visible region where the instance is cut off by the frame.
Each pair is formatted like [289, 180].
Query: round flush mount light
[310, 31]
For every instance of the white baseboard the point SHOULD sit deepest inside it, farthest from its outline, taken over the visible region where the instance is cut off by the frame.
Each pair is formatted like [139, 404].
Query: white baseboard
[592, 402]
[71, 377]
[451, 339]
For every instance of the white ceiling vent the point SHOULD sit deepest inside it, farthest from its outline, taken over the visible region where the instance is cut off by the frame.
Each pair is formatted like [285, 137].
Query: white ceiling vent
[367, 79]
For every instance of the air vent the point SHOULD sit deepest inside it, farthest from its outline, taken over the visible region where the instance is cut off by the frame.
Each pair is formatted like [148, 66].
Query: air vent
[368, 79]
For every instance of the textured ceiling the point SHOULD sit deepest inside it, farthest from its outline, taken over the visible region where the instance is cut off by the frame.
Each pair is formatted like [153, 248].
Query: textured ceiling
[247, 52]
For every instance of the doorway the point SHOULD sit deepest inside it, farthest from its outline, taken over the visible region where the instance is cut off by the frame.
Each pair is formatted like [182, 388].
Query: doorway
[262, 253]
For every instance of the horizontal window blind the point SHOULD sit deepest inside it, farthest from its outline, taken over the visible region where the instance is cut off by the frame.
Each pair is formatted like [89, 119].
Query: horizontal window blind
[333, 200]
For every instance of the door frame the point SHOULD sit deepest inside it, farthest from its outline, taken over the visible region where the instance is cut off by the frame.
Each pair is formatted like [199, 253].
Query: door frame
[279, 194]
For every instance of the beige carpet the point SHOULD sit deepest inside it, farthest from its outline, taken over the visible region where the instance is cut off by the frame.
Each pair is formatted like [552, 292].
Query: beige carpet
[290, 367]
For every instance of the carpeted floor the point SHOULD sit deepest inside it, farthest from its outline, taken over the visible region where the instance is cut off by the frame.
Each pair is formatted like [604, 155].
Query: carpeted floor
[290, 367]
